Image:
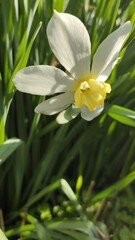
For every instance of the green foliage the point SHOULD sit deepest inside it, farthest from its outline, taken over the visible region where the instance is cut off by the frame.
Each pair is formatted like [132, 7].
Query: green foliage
[100, 152]
[8, 147]
[111, 191]
[70, 230]
[122, 217]
[122, 115]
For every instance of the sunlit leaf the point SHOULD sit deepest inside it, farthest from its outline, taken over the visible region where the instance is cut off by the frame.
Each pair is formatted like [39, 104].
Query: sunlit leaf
[8, 147]
[115, 188]
[121, 114]
[78, 230]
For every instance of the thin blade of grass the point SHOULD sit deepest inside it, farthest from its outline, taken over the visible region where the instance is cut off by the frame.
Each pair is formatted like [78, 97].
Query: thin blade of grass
[113, 190]
[123, 115]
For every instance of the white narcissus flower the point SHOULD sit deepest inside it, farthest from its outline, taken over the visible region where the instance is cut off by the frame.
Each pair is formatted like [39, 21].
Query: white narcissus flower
[81, 90]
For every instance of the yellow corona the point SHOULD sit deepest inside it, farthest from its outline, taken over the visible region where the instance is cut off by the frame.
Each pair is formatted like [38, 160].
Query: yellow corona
[90, 92]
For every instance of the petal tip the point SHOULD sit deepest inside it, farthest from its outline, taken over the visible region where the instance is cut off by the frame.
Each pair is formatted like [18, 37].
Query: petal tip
[55, 13]
[90, 115]
[128, 22]
[128, 26]
[36, 110]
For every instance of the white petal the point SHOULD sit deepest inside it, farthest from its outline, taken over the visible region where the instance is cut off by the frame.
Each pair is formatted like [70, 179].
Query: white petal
[56, 104]
[106, 55]
[42, 80]
[70, 42]
[105, 74]
[67, 115]
[90, 115]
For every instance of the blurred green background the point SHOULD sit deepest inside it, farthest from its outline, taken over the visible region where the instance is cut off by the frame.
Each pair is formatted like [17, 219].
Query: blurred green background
[75, 181]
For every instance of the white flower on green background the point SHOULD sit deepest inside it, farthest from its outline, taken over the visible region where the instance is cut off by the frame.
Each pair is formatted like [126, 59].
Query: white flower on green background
[81, 89]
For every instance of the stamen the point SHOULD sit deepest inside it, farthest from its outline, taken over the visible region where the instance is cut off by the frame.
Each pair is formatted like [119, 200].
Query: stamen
[91, 93]
[84, 85]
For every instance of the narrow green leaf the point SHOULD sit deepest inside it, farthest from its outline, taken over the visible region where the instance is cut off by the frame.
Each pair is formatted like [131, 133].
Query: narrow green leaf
[121, 114]
[21, 48]
[59, 5]
[22, 63]
[1, 92]
[2, 128]
[16, 9]
[41, 231]
[71, 6]
[114, 12]
[42, 193]
[76, 235]
[24, 58]
[113, 190]
[8, 147]
[32, 14]
[86, 228]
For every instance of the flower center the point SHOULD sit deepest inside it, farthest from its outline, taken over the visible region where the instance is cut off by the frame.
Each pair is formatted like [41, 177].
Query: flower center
[91, 93]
